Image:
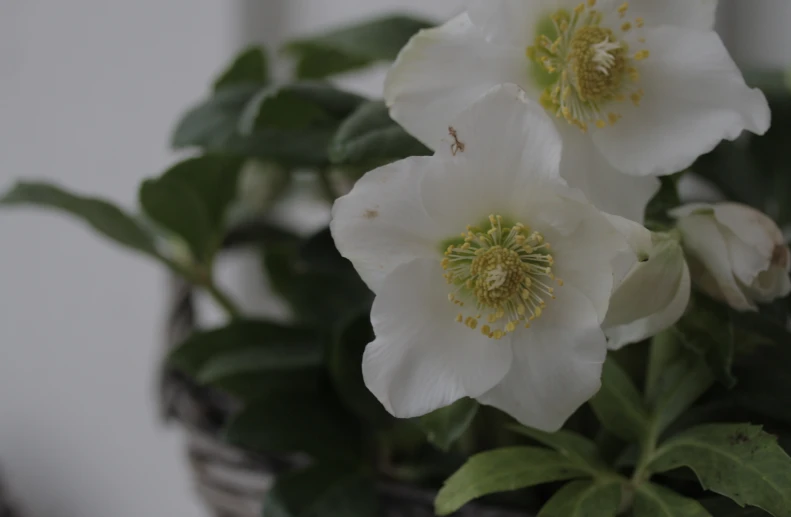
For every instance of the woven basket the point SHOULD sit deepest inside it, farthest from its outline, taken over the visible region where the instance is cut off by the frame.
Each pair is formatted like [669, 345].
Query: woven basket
[231, 481]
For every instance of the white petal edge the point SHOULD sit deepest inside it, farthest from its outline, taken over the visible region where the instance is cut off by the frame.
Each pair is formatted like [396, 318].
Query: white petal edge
[421, 359]
[584, 167]
[557, 366]
[639, 330]
[695, 96]
[703, 240]
[441, 72]
[382, 224]
[691, 14]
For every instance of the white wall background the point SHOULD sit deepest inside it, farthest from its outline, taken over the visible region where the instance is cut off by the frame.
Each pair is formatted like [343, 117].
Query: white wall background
[89, 90]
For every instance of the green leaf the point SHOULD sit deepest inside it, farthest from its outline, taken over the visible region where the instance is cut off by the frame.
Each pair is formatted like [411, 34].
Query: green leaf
[682, 382]
[254, 373]
[707, 330]
[738, 461]
[446, 425]
[318, 295]
[578, 449]
[321, 491]
[665, 349]
[102, 216]
[213, 124]
[313, 423]
[369, 135]
[584, 499]
[618, 405]
[353, 47]
[297, 106]
[503, 470]
[191, 199]
[345, 366]
[193, 355]
[655, 501]
[173, 205]
[249, 67]
[724, 507]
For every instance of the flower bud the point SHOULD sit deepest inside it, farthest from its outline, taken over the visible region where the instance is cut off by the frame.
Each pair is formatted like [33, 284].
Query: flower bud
[653, 290]
[737, 254]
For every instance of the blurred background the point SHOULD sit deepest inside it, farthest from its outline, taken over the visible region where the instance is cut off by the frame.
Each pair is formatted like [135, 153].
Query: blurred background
[89, 92]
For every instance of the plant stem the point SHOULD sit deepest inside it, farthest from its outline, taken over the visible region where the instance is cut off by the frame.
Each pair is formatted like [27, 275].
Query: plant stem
[641, 473]
[222, 299]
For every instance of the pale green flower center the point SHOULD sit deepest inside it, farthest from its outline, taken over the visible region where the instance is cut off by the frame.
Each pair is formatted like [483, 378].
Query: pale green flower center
[500, 275]
[587, 68]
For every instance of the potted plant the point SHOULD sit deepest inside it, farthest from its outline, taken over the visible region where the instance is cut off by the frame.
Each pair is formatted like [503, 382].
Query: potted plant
[295, 416]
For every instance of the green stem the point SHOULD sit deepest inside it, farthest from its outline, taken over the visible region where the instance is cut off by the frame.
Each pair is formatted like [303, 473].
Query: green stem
[641, 473]
[223, 300]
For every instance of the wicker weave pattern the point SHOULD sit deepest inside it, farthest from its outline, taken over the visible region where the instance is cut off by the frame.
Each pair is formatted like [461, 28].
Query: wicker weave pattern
[233, 482]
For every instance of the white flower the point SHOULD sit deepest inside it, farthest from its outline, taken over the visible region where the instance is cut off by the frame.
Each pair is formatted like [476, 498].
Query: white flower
[737, 254]
[465, 251]
[639, 88]
[654, 293]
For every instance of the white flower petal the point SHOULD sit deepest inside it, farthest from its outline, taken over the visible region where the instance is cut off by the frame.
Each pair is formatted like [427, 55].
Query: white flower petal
[695, 96]
[751, 226]
[650, 286]
[643, 329]
[772, 284]
[505, 135]
[747, 261]
[602, 244]
[514, 22]
[557, 365]
[585, 168]
[441, 72]
[422, 359]
[704, 241]
[508, 164]
[381, 223]
[692, 14]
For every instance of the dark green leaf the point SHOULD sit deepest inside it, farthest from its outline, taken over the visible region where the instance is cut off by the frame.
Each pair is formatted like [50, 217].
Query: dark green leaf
[369, 135]
[683, 380]
[321, 491]
[655, 501]
[618, 404]
[584, 499]
[174, 206]
[353, 47]
[249, 67]
[446, 425]
[707, 330]
[503, 470]
[578, 449]
[723, 507]
[297, 106]
[193, 355]
[282, 108]
[313, 423]
[345, 365]
[214, 179]
[102, 216]
[738, 461]
[253, 373]
[213, 124]
[317, 296]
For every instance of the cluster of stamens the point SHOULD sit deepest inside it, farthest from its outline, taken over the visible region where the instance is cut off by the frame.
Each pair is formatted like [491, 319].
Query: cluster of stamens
[591, 65]
[500, 275]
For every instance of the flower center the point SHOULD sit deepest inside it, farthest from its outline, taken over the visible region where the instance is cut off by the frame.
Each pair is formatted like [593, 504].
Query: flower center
[500, 274]
[589, 65]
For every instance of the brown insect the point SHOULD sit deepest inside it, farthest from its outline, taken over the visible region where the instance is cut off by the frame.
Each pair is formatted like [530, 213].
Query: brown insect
[457, 146]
